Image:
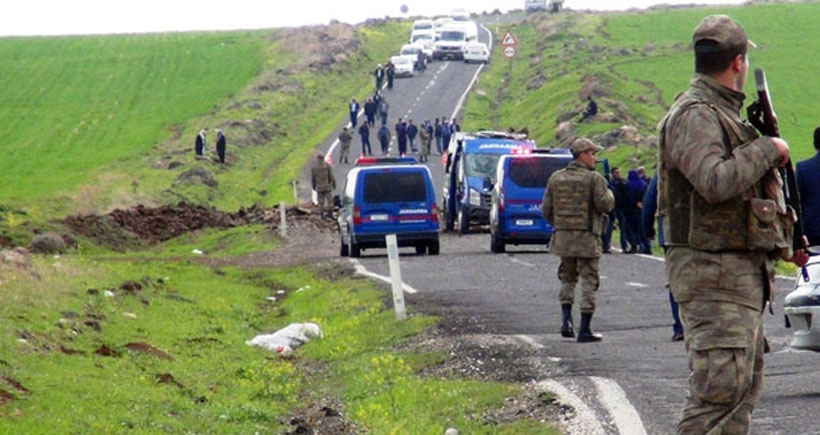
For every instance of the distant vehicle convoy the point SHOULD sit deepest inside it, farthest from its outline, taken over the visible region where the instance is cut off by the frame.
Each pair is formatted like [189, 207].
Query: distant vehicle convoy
[553, 6]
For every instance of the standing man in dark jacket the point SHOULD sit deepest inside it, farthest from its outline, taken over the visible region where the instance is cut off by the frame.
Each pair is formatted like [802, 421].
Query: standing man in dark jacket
[370, 111]
[648, 212]
[384, 139]
[618, 189]
[437, 133]
[383, 108]
[199, 143]
[391, 73]
[412, 131]
[379, 74]
[353, 108]
[401, 137]
[576, 202]
[445, 133]
[220, 145]
[808, 185]
[364, 132]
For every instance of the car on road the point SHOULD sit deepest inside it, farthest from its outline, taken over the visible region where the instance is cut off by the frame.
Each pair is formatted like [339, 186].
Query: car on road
[412, 51]
[476, 52]
[403, 66]
[453, 39]
[470, 164]
[515, 213]
[382, 199]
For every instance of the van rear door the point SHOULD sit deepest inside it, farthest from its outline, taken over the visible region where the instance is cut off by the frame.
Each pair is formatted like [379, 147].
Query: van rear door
[524, 189]
[395, 200]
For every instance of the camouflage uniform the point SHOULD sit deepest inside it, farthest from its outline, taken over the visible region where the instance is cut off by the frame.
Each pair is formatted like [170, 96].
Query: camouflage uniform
[345, 138]
[576, 202]
[712, 168]
[324, 183]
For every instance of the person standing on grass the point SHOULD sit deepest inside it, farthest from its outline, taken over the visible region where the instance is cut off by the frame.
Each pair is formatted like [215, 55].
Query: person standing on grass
[220, 145]
[199, 143]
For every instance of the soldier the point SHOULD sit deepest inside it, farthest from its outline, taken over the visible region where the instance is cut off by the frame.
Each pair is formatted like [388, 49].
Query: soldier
[713, 189]
[324, 183]
[576, 202]
[344, 139]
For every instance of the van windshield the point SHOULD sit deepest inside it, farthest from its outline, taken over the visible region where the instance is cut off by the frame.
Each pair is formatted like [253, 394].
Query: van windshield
[395, 187]
[451, 35]
[534, 172]
[481, 165]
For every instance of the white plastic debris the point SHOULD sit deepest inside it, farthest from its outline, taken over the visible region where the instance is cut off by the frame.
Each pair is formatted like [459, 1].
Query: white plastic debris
[108, 294]
[288, 338]
[197, 251]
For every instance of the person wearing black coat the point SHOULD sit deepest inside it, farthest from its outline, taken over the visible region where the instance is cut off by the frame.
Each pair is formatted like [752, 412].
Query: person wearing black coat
[220, 146]
[412, 131]
[364, 132]
[401, 137]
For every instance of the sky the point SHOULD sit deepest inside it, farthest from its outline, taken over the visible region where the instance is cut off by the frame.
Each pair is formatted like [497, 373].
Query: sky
[80, 17]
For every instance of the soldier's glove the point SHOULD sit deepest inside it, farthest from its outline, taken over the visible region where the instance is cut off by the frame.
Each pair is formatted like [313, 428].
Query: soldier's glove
[755, 115]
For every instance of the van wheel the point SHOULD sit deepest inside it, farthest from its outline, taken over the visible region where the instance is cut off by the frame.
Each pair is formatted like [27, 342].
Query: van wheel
[421, 249]
[355, 250]
[343, 250]
[463, 222]
[496, 244]
[433, 248]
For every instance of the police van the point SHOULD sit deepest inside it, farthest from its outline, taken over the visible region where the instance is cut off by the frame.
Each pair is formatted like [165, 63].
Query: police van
[394, 198]
[469, 173]
[515, 213]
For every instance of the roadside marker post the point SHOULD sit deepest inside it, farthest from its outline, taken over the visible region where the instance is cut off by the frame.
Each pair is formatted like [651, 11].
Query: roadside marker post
[395, 276]
[283, 224]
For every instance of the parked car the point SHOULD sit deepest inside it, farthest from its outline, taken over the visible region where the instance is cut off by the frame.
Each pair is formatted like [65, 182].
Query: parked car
[438, 25]
[381, 199]
[469, 172]
[476, 52]
[422, 24]
[412, 51]
[402, 66]
[515, 213]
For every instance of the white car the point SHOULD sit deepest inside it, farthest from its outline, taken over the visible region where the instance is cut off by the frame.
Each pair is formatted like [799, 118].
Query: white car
[476, 52]
[402, 66]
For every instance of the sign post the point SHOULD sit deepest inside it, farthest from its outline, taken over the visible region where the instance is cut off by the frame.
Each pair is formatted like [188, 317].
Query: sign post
[395, 276]
[510, 44]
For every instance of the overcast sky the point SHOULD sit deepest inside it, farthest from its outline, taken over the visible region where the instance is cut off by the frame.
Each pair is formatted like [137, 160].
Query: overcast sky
[70, 17]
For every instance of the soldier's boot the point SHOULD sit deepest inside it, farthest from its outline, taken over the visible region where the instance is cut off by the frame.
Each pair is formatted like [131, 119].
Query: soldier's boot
[585, 334]
[566, 321]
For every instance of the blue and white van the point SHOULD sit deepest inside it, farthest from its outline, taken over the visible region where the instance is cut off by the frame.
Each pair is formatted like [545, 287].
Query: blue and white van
[469, 173]
[388, 199]
[515, 213]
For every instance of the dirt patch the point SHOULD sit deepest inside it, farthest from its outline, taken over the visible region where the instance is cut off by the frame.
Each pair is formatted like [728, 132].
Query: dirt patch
[142, 347]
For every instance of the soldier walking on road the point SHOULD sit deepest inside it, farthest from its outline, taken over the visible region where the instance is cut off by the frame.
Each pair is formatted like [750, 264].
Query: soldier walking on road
[345, 138]
[324, 183]
[576, 201]
[720, 211]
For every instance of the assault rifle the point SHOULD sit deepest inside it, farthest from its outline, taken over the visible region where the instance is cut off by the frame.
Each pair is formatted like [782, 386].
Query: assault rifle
[761, 115]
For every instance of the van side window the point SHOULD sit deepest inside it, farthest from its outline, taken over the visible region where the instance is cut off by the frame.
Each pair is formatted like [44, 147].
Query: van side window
[395, 187]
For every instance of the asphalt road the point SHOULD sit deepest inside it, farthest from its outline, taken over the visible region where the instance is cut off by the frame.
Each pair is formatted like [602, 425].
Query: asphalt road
[634, 381]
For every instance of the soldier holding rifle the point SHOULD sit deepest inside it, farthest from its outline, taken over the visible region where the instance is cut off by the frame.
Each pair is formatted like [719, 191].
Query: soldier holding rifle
[725, 223]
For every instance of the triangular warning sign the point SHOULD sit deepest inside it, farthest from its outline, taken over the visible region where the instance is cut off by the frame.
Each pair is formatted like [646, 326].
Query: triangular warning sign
[508, 40]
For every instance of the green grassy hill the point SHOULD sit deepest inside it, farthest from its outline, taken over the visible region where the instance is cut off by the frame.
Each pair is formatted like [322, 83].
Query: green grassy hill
[635, 63]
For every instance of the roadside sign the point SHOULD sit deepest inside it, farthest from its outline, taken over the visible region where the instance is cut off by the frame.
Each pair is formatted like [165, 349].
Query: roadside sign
[509, 52]
[508, 40]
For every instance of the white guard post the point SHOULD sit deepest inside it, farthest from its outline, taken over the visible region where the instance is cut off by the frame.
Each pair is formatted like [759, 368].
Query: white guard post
[395, 276]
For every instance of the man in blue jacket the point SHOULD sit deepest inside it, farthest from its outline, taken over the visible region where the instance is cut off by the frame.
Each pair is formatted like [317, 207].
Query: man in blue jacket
[808, 185]
[650, 205]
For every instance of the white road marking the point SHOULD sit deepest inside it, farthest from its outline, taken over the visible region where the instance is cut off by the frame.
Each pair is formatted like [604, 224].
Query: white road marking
[524, 263]
[636, 284]
[585, 421]
[614, 399]
[361, 270]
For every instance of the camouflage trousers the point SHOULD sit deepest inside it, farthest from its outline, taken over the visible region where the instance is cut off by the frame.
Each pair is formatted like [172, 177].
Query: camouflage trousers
[325, 201]
[569, 272]
[724, 345]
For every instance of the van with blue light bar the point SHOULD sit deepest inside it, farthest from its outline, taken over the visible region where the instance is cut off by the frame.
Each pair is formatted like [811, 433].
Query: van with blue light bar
[515, 213]
[469, 173]
[370, 161]
[388, 199]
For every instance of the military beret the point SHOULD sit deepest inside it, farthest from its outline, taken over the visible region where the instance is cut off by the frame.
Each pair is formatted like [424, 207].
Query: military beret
[583, 144]
[723, 31]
